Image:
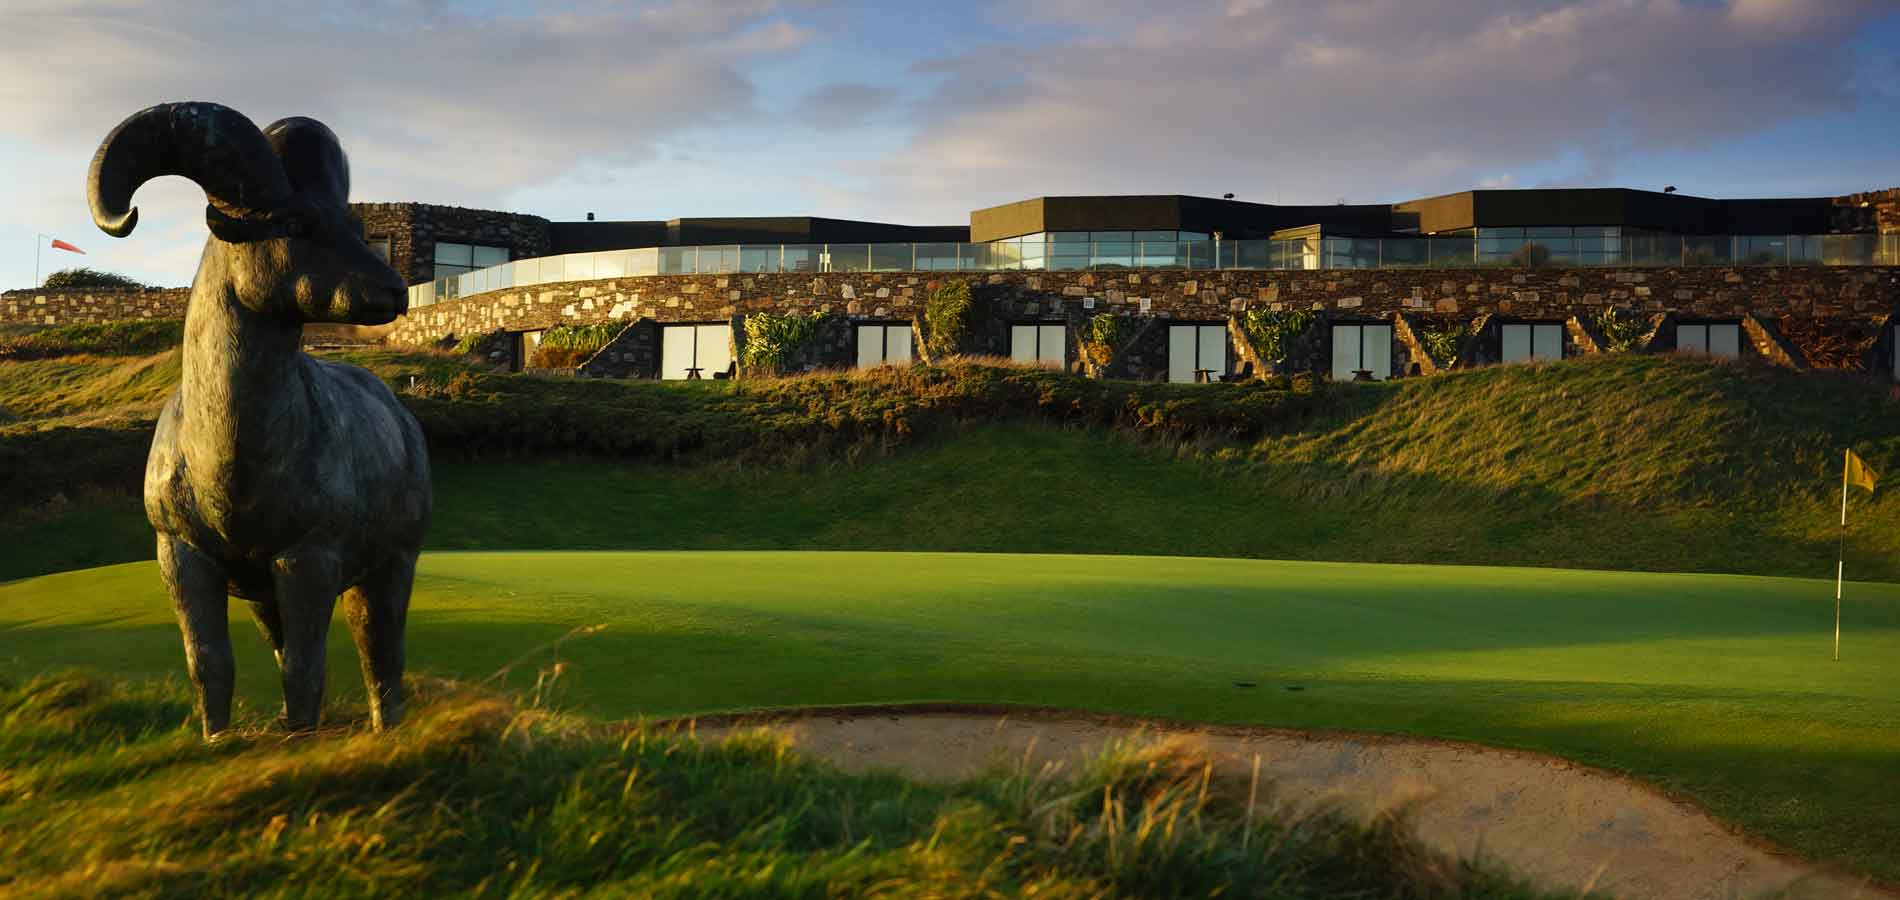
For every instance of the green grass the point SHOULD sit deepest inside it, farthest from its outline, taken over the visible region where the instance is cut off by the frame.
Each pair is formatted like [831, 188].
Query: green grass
[107, 794]
[1647, 463]
[133, 337]
[1054, 490]
[1718, 688]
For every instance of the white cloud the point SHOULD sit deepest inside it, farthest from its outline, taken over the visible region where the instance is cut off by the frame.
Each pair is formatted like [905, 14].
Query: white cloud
[1305, 100]
[432, 102]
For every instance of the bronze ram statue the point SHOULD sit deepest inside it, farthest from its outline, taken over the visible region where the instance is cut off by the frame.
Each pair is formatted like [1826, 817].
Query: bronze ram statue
[279, 478]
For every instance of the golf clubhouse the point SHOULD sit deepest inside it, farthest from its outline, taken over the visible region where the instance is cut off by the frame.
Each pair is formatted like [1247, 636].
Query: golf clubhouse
[1192, 288]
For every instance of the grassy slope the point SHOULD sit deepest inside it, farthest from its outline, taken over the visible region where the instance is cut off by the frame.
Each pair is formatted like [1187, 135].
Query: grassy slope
[1719, 687]
[107, 793]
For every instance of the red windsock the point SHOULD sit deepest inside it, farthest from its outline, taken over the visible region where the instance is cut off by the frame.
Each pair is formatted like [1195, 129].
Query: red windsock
[62, 245]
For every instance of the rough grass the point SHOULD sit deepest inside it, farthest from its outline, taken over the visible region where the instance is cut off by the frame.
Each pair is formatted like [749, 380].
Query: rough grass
[1652, 463]
[108, 792]
[132, 337]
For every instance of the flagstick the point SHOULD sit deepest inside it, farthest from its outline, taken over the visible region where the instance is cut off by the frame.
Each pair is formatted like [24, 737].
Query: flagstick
[39, 242]
[1840, 565]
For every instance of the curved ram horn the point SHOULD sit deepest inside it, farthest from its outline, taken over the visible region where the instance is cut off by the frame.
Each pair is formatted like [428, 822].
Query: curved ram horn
[313, 159]
[213, 145]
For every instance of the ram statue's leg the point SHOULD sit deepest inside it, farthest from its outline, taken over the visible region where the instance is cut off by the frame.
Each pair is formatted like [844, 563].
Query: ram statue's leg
[378, 610]
[197, 585]
[305, 584]
[270, 624]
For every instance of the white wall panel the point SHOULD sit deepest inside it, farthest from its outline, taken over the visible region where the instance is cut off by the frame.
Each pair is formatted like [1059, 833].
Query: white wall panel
[1181, 344]
[1053, 350]
[715, 348]
[870, 345]
[897, 344]
[1692, 338]
[1547, 342]
[676, 350]
[1214, 350]
[1725, 341]
[1376, 351]
[1022, 343]
[1345, 351]
[1517, 343]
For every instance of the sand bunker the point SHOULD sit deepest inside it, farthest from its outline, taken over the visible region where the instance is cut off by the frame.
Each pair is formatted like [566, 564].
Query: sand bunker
[1563, 824]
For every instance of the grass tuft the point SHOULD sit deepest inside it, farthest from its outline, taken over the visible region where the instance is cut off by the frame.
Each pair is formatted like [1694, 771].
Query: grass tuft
[480, 795]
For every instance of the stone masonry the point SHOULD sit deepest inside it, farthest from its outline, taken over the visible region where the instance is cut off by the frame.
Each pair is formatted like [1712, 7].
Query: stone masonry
[1862, 294]
[90, 306]
[413, 229]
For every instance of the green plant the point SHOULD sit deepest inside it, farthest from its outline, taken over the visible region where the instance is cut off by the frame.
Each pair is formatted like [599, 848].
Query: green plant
[947, 318]
[1442, 343]
[772, 341]
[131, 337]
[567, 346]
[82, 277]
[1105, 336]
[1621, 331]
[471, 344]
[1272, 333]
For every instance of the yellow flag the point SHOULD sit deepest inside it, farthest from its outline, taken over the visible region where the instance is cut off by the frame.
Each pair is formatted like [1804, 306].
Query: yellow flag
[1859, 474]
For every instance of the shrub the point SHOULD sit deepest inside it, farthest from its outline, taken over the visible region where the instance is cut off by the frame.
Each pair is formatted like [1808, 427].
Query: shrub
[947, 316]
[1620, 329]
[474, 343]
[568, 346]
[772, 341]
[1272, 333]
[1106, 335]
[1442, 343]
[82, 277]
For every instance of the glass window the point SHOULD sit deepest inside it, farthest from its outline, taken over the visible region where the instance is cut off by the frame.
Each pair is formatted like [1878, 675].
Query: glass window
[718, 260]
[1166, 237]
[1722, 340]
[1193, 349]
[379, 247]
[488, 256]
[1113, 255]
[803, 257]
[847, 257]
[893, 257]
[1453, 250]
[1044, 345]
[679, 260]
[645, 261]
[695, 351]
[1358, 348]
[759, 259]
[883, 344]
[1541, 342]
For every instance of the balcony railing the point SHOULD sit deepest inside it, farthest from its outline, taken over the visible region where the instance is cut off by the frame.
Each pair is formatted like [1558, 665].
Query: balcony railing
[1299, 254]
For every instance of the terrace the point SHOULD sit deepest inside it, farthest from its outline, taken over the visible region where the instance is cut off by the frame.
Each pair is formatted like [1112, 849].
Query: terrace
[1564, 247]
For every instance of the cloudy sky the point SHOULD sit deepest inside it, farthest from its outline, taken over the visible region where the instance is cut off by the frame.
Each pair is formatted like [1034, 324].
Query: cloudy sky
[921, 112]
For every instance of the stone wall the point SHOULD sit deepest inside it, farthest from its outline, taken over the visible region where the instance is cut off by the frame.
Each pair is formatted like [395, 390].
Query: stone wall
[1885, 204]
[1481, 296]
[413, 229]
[90, 306]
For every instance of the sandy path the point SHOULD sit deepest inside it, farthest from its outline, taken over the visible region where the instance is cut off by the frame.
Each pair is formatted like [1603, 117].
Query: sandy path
[1560, 823]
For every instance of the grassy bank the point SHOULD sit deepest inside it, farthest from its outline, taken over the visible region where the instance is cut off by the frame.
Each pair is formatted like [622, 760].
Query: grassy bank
[1719, 688]
[1657, 464]
[107, 794]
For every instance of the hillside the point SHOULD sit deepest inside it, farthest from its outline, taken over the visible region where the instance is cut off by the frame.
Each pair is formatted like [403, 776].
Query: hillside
[1652, 463]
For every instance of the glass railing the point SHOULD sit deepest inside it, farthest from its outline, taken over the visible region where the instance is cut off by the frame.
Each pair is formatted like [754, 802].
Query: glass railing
[1300, 254]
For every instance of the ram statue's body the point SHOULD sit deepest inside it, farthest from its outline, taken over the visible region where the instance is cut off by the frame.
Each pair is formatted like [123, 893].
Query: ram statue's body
[281, 479]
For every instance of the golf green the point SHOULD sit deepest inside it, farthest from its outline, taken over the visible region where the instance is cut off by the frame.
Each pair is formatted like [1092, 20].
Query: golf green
[1718, 687]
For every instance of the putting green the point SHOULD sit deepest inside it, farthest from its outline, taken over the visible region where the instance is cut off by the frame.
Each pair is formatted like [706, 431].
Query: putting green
[1719, 687]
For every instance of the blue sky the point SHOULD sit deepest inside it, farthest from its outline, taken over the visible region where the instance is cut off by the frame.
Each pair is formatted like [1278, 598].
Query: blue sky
[922, 112]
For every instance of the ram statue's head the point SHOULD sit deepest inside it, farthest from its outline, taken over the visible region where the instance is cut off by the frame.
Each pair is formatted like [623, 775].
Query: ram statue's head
[286, 242]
